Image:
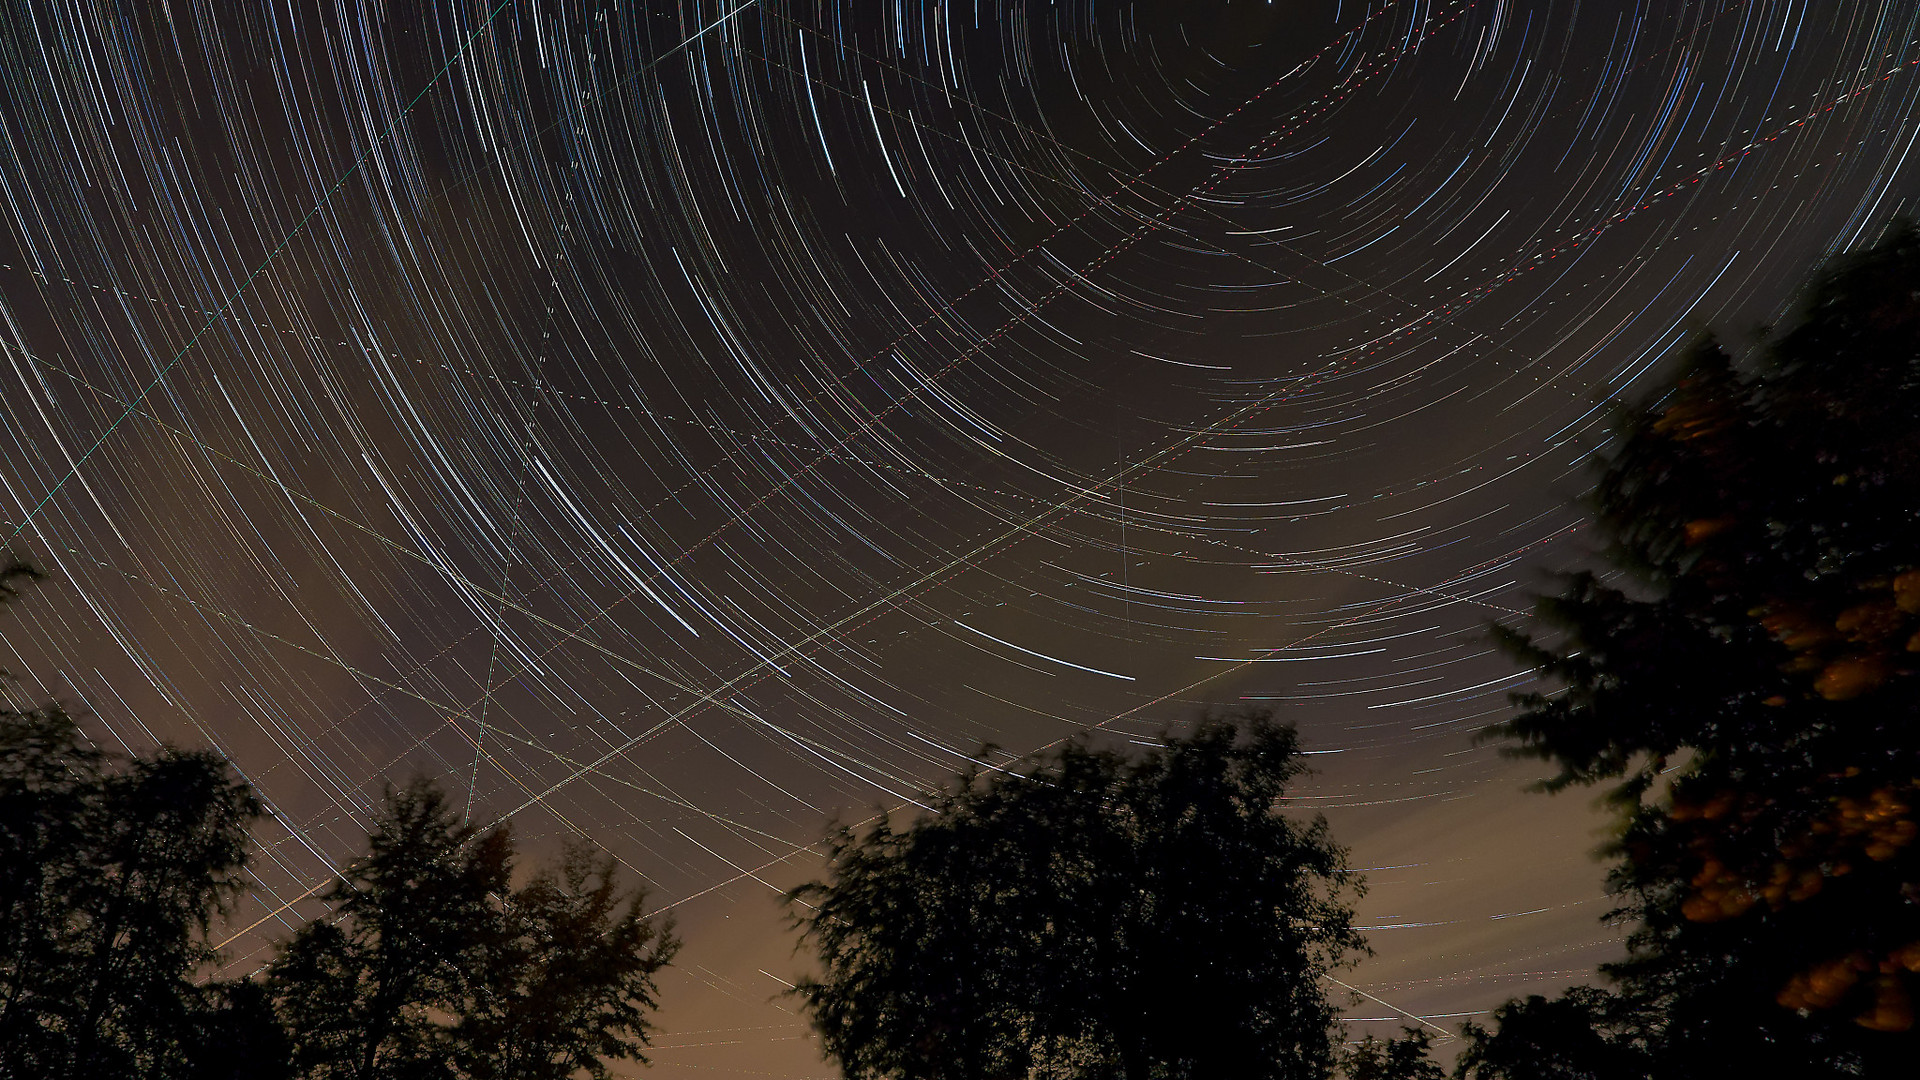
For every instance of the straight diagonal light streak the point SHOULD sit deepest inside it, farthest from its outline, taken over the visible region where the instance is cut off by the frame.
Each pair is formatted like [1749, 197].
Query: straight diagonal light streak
[219, 314]
[988, 547]
[1423, 1021]
[755, 873]
[964, 560]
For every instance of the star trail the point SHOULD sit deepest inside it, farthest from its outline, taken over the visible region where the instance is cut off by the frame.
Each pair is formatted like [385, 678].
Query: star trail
[674, 424]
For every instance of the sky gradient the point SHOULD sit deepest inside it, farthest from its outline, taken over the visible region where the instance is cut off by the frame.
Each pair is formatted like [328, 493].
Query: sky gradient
[674, 425]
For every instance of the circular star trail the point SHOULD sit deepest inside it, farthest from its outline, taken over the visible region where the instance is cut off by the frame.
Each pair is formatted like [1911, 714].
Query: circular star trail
[672, 424]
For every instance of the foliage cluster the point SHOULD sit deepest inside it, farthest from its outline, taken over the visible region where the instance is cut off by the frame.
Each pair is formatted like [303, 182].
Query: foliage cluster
[1744, 688]
[429, 965]
[435, 967]
[1094, 916]
[109, 880]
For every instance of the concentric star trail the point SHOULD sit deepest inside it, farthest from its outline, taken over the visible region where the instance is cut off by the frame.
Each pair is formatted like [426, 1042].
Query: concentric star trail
[676, 424]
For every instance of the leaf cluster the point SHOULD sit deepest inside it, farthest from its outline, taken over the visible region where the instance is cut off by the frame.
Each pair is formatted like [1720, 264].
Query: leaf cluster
[429, 965]
[111, 873]
[1095, 915]
[1743, 686]
[434, 968]
[1587, 1033]
[1406, 1057]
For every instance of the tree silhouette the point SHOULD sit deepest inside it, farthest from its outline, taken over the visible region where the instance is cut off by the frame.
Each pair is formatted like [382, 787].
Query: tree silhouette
[1744, 687]
[363, 994]
[1095, 916]
[1404, 1058]
[48, 774]
[111, 873]
[570, 983]
[236, 1035]
[433, 967]
[1584, 1034]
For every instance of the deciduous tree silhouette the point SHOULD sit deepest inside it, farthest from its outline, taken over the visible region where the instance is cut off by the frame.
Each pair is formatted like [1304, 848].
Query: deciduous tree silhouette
[364, 994]
[1094, 916]
[111, 872]
[1745, 689]
[1587, 1033]
[1406, 1057]
[570, 984]
[433, 967]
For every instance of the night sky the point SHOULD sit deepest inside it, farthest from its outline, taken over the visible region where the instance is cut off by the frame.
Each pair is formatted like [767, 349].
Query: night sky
[673, 424]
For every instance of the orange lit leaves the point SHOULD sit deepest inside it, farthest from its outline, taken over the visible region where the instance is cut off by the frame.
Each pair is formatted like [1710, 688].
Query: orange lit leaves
[1868, 637]
[1700, 530]
[1824, 985]
[1856, 829]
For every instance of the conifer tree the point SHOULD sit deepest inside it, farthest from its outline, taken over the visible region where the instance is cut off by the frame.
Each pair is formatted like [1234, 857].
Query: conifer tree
[1746, 686]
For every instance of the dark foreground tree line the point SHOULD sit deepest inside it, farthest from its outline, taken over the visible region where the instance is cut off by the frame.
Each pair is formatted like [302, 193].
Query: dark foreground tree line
[430, 963]
[1737, 678]
[1743, 690]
